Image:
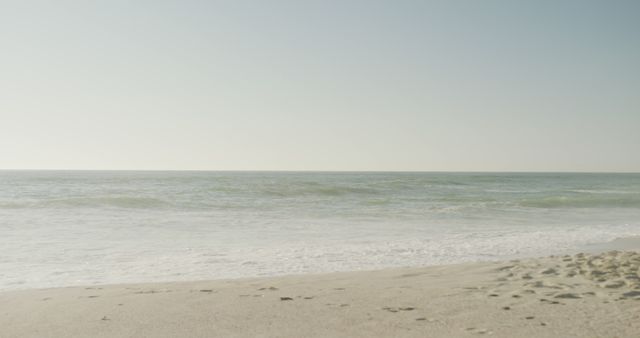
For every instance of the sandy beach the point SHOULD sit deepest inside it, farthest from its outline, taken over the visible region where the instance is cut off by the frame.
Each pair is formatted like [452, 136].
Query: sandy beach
[581, 295]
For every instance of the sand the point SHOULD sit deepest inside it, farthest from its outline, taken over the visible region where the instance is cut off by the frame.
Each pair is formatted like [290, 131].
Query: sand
[582, 295]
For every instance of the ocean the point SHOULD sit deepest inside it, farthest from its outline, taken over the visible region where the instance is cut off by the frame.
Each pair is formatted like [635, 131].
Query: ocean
[64, 228]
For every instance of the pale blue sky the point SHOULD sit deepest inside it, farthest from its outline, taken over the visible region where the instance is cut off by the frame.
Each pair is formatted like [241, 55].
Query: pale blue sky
[320, 85]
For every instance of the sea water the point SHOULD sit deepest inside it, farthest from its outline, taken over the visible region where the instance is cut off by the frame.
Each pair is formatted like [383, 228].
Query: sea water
[63, 228]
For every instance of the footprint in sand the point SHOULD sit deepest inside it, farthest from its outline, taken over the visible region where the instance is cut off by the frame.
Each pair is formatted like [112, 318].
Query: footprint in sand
[425, 319]
[408, 275]
[568, 296]
[396, 309]
[504, 268]
[550, 302]
[631, 294]
[615, 284]
[479, 331]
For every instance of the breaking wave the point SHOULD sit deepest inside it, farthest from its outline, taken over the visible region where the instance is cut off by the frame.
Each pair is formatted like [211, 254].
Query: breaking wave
[584, 201]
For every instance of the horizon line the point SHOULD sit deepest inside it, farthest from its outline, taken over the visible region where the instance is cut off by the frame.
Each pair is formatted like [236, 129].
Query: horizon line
[335, 171]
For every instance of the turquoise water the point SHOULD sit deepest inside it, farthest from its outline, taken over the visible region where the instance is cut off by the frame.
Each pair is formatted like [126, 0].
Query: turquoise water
[61, 228]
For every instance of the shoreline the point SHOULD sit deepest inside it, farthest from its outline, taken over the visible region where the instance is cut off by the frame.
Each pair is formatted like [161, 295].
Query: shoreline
[621, 243]
[585, 294]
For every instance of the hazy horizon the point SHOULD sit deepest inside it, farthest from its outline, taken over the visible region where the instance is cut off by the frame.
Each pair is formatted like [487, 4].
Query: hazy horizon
[326, 171]
[374, 86]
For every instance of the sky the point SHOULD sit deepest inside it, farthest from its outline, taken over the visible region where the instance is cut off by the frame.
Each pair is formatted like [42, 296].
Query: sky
[320, 85]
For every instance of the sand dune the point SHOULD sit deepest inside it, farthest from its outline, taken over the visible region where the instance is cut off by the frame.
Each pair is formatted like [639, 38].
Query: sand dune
[583, 295]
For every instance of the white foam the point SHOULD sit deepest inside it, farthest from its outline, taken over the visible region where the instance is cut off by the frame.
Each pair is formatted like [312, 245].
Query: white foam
[160, 260]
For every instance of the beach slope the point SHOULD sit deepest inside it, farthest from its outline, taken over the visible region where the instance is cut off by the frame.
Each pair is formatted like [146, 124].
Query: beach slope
[583, 295]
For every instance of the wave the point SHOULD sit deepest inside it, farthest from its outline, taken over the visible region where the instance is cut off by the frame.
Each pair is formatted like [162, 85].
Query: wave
[582, 201]
[330, 191]
[91, 202]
